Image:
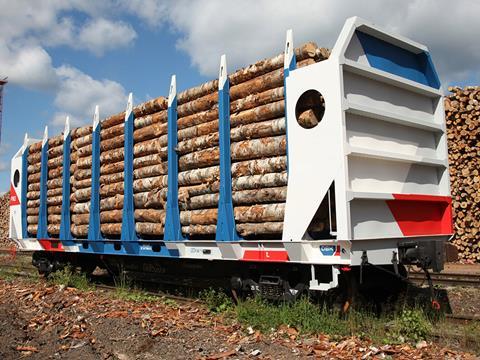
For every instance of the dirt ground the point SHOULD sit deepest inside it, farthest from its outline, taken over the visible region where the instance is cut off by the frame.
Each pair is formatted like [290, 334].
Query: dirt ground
[41, 321]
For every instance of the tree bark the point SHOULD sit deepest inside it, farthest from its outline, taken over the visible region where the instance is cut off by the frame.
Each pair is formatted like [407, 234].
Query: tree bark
[257, 130]
[52, 142]
[259, 213]
[242, 150]
[241, 197]
[55, 151]
[150, 229]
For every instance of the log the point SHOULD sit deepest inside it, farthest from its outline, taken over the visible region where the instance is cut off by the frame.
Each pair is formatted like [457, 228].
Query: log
[54, 192]
[54, 210]
[32, 195]
[34, 158]
[257, 114]
[242, 150]
[262, 83]
[34, 187]
[53, 183]
[305, 51]
[55, 151]
[53, 229]
[32, 219]
[199, 229]
[239, 169]
[251, 101]
[52, 142]
[242, 197]
[32, 229]
[116, 130]
[252, 229]
[309, 50]
[54, 219]
[55, 162]
[33, 211]
[150, 229]
[115, 216]
[257, 130]
[55, 200]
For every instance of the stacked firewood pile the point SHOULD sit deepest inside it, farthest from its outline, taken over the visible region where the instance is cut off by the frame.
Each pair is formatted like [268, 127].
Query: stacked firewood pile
[4, 217]
[258, 152]
[462, 109]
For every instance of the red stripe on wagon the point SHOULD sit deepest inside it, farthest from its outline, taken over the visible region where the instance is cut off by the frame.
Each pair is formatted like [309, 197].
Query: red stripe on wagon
[14, 200]
[422, 214]
[51, 245]
[265, 255]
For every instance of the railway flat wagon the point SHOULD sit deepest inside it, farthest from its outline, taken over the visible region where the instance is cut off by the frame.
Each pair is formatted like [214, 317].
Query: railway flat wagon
[286, 175]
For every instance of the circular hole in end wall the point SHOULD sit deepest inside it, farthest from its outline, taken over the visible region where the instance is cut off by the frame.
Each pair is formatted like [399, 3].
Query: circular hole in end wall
[16, 178]
[309, 109]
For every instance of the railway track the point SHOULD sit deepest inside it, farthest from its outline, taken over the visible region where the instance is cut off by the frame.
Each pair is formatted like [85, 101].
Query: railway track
[416, 276]
[446, 279]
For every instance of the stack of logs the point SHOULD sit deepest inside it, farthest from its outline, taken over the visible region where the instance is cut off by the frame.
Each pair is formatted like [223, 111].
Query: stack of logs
[258, 152]
[462, 109]
[54, 185]
[148, 159]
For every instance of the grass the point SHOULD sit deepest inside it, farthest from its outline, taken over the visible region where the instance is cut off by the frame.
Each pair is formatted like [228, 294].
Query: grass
[463, 335]
[403, 325]
[125, 291]
[69, 277]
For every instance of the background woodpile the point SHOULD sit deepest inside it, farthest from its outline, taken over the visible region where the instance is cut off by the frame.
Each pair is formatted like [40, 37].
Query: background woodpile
[258, 151]
[4, 217]
[462, 109]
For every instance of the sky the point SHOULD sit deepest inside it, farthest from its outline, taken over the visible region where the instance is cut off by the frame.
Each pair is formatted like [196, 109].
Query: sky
[62, 57]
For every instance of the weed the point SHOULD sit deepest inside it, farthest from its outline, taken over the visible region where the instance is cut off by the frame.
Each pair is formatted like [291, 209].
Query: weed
[216, 300]
[170, 302]
[69, 277]
[7, 276]
[135, 295]
[307, 317]
[125, 291]
[410, 325]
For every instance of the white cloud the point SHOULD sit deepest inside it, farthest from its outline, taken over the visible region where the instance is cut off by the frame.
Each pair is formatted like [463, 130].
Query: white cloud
[250, 30]
[27, 30]
[78, 94]
[28, 66]
[101, 35]
[153, 12]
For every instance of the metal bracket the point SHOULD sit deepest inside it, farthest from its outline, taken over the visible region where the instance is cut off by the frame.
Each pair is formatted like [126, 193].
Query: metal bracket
[24, 200]
[94, 232]
[315, 285]
[65, 232]
[289, 64]
[129, 234]
[42, 231]
[226, 230]
[173, 229]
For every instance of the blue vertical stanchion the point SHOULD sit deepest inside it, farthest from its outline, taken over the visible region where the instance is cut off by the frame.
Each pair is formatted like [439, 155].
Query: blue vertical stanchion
[129, 236]
[65, 232]
[173, 229]
[226, 230]
[42, 230]
[24, 200]
[94, 232]
[289, 64]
